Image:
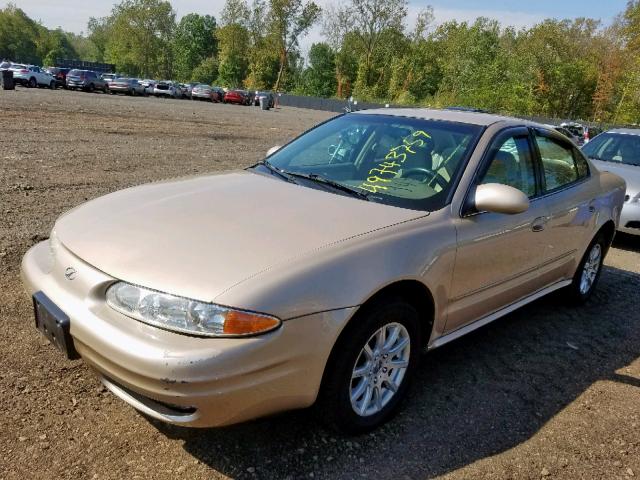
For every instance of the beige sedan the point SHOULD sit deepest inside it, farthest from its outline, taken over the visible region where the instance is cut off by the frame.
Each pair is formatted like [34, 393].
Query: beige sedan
[321, 273]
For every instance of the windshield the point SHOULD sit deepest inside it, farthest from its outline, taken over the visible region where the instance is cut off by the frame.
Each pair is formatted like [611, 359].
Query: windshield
[400, 161]
[614, 147]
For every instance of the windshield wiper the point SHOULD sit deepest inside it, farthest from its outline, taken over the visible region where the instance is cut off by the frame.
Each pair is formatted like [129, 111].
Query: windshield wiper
[273, 169]
[314, 177]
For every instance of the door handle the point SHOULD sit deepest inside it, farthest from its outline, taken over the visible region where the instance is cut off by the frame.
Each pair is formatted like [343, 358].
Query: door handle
[538, 224]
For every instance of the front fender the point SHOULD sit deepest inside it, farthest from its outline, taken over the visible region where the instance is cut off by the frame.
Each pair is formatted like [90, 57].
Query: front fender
[347, 273]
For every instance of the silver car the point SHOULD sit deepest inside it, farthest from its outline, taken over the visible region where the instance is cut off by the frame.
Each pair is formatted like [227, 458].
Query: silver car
[618, 151]
[321, 273]
[164, 89]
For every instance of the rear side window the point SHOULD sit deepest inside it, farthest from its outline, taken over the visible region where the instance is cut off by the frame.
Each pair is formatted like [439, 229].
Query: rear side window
[558, 163]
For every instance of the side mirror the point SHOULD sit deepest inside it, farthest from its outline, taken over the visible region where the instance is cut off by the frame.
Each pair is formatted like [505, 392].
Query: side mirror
[273, 150]
[499, 198]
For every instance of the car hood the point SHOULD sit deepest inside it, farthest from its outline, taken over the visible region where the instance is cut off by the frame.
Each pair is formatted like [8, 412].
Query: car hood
[630, 174]
[199, 237]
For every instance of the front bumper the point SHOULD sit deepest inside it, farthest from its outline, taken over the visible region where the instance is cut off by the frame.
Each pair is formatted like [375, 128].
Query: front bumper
[630, 218]
[176, 378]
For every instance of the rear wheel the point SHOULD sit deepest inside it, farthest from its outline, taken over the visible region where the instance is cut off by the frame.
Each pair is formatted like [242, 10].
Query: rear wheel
[371, 367]
[32, 83]
[92, 87]
[589, 270]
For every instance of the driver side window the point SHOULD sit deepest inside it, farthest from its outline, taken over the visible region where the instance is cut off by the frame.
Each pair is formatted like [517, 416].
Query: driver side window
[512, 165]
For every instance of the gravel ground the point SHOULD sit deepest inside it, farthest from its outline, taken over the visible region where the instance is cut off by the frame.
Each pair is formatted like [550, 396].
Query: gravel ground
[547, 392]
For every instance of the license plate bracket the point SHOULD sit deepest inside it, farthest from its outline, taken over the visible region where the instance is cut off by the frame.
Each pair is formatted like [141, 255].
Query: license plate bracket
[54, 324]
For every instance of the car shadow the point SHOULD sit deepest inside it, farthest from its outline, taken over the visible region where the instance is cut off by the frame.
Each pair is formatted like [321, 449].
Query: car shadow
[628, 242]
[476, 397]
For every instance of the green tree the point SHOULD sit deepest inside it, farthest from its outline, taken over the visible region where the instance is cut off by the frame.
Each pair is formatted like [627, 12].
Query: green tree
[19, 36]
[194, 41]
[140, 33]
[99, 34]
[206, 72]
[233, 41]
[55, 45]
[289, 21]
[320, 78]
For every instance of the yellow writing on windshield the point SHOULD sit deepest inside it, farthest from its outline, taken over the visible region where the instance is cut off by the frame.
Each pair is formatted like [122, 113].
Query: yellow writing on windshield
[397, 156]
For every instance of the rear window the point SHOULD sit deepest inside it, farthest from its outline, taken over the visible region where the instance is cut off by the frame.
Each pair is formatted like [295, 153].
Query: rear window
[75, 72]
[614, 147]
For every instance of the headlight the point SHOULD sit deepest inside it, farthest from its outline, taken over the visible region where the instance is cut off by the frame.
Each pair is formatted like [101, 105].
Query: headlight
[184, 315]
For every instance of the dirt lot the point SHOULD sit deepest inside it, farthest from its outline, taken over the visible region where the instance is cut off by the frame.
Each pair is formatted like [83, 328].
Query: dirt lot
[549, 391]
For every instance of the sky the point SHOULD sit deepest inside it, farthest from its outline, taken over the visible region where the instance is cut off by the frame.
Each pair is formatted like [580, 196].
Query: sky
[72, 15]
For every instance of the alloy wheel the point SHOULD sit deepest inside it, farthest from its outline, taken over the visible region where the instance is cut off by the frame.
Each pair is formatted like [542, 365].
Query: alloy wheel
[591, 268]
[380, 369]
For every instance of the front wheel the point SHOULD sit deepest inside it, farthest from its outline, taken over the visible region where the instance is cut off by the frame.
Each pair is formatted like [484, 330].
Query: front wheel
[371, 367]
[52, 85]
[589, 270]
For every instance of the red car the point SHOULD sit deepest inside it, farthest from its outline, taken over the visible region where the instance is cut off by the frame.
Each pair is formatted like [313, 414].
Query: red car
[236, 96]
[60, 75]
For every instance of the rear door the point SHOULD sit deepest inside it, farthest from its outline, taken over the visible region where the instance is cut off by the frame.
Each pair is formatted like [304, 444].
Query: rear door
[569, 198]
[499, 255]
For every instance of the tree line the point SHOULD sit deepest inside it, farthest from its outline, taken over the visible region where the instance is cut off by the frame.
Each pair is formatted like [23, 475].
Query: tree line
[557, 68]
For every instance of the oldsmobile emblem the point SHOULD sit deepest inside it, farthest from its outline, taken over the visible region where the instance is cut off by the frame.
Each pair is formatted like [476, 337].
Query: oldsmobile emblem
[70, 273]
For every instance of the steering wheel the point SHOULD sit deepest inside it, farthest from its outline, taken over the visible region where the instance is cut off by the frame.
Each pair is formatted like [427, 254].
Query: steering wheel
[429, 176]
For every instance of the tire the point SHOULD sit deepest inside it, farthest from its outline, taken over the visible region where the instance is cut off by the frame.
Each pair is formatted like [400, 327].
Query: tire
[335, 404]
[92, 87]
[32, 83]
[588, 272]
[52, 85]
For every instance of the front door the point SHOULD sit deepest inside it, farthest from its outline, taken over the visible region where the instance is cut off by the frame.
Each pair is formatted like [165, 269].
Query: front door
[498, 255]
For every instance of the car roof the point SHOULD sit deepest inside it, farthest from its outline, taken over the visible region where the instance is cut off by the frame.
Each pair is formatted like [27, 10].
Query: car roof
[473, 118]
[626, 131]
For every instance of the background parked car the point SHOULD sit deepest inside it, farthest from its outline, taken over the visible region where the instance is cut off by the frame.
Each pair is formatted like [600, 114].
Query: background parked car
[59, 74]
[128, 86]
[576, 129]
[149, 85]
[167, 89]
[32, 76]
[567, 133]
[266, 95]
[186, 90]
[203, 92]
[236, 96]
[618, 151]
[86, 80]
[109, 77]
